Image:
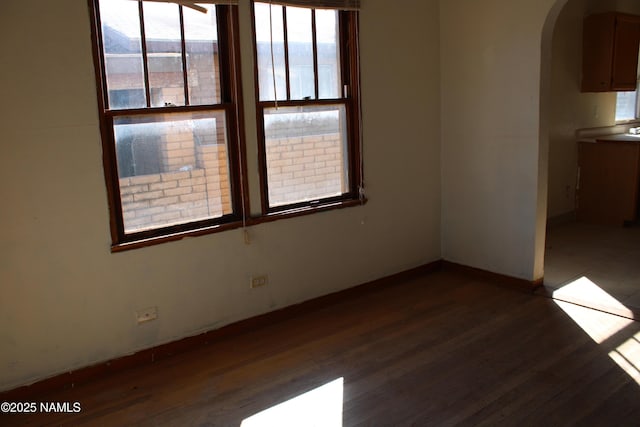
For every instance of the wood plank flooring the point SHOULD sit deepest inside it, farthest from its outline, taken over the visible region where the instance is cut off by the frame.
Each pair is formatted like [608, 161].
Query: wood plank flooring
[606, 255]
[443, 349]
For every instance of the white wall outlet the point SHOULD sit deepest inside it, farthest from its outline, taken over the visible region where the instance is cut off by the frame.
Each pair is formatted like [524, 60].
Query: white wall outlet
[257, 281]
[147, 314]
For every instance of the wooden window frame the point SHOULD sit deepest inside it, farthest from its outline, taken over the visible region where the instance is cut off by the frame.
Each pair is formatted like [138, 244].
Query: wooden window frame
[230, 103]
[350, 74]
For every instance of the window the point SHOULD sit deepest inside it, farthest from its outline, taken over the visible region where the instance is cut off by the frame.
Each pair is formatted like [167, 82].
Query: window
[307, 104]
[168, 104]
[627, 103]
[626, 106]
[170, 101]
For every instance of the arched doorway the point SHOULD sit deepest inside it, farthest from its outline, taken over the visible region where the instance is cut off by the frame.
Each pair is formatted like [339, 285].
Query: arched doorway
[572, 250]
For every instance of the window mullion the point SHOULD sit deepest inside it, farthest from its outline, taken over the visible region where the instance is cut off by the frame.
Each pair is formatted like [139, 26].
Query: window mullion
[316, 78]
[143, 44]
[226, 59]
[286, 53]
[345, 56]
[184, 56]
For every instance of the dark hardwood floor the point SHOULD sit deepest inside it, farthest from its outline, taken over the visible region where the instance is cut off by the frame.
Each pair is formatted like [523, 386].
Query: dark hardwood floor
[438, 350]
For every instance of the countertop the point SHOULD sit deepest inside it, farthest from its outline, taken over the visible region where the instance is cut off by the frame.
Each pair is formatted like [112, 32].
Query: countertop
[621, 137]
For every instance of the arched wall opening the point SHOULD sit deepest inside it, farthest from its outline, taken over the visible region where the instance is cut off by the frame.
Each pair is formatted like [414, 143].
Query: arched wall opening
[564, 109]
[543, 147]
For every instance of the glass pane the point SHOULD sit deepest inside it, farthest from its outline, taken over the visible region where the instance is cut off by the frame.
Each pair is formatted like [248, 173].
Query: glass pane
[300, 43]
[172, 168]
[123, 53]
[306, 151]
[164, 53]
[267, 25]
[625, 106]
[201, 37]
[329, 79]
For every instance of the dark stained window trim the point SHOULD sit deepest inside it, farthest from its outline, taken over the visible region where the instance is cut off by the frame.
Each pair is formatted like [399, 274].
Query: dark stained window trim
[250, 222]
[231, 87]
[348, 23]
[230, 102]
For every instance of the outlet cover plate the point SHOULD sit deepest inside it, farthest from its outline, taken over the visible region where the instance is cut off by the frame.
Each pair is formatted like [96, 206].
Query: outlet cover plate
[147, 314]
[257, 281]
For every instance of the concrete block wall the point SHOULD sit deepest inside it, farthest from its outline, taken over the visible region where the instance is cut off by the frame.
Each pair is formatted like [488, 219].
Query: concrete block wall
[305, 168]
[196, 184]
[203, 84]
[163, 199]
[177, 149]
[213, 159]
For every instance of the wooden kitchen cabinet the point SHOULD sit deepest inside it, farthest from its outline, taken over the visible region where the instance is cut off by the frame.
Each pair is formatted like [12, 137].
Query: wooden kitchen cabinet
[610, 52]
[608, 182]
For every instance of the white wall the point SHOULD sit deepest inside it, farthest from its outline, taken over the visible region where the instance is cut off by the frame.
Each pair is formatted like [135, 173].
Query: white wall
[492, 180]
[67, 302]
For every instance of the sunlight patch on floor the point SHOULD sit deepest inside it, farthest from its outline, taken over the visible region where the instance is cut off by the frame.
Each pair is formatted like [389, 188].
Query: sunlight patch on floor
[601, 326]
[584, 290]
[320, 407]
[627, 356]
[598, 325]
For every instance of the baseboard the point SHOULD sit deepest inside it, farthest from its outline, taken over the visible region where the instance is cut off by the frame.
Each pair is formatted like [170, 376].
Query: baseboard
[144, 357]
[90, 373]
[522, 285]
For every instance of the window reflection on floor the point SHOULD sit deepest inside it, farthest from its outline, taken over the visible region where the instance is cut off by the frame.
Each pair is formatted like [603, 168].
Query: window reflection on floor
[614, 332]
[584, 291]
[627, 356]
[320, 407]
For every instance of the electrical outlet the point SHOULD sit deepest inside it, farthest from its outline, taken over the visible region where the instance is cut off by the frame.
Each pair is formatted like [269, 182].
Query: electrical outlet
[257, 281]
[147, 314]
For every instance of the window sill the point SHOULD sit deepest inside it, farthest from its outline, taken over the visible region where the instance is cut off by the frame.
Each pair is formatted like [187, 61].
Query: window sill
[628, 122]
[142, 243]
[306, 210]
[254, 220]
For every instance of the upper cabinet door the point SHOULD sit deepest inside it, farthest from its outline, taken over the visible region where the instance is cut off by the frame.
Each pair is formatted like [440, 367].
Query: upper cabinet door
[610, 52]
[625, 53]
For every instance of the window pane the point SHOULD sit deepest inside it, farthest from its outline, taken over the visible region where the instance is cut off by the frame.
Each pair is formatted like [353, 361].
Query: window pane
[329, 80]
[265, 26]
[306, 153]
[201, 37]
[122, 53]
[300, 43]
[173, 168]
[626, 106]
[164, 53]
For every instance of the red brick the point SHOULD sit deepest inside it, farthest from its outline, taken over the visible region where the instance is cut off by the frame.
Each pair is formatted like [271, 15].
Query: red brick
[163, 185]
[165, 217]
[151, 211]
[147, 196]
[177, 191]
[175, 175]
[192, 197]
[144, 179]
[164, 201]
